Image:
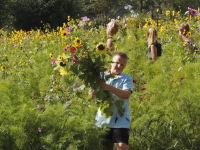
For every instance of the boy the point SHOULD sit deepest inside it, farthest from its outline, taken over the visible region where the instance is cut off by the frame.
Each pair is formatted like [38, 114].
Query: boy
[120, 87]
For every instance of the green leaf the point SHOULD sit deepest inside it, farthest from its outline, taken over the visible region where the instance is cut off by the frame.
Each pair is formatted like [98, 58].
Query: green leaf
[108, 76]
[119, 105]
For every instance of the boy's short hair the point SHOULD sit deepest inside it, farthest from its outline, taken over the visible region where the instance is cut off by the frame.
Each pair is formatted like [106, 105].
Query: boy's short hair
[121, 54]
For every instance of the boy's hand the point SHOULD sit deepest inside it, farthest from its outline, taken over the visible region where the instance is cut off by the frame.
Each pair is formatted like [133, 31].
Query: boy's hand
[124, 94]
[103, 85]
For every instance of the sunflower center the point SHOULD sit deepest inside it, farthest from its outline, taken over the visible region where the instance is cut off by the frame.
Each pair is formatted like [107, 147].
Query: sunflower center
[4, 68]
[62, 64]
[78, 41]
[64, 34]
[101, 47]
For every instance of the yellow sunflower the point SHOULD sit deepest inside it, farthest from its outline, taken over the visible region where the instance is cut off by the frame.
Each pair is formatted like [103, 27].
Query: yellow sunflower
[167, 12]
[162, 28]
[63, 71]
[78, 20]
[188, 34]
[3, 68]
[64, 56]
[77, 41]
[51, 55]
[147, 20]
[59, 57]
[185, 43]
[89, 24]
[129, 37]
[64, 34]
[173, 12]
[101, 48]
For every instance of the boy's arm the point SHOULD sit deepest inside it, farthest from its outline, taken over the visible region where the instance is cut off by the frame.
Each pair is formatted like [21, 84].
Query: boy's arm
[124, 94]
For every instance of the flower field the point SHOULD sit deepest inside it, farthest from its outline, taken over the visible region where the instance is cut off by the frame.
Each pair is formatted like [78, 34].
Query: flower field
[46, 76]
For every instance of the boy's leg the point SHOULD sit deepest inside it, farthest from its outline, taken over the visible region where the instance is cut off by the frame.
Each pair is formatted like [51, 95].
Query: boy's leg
[121, 146]
[120, 138]
[107, 141]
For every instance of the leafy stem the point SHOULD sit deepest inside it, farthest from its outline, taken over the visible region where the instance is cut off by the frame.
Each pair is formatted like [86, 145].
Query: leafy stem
[108, 95]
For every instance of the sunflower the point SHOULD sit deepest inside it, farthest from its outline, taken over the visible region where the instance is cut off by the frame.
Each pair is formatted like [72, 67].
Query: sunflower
[3, 68]
[64, 34]
[77, 42]
[64, 56]
[147, 20]
[60, 57]
[63, 71]
[173, 12]
[162, 28]
[129, 37]
[167, 12]
[101, 48]
[185, 43]
[51, 55]
[188, 34]
[89, 23]
[78, 20]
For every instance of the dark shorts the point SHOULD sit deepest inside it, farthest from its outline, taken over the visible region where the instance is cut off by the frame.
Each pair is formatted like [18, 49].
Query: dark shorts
[116, 135]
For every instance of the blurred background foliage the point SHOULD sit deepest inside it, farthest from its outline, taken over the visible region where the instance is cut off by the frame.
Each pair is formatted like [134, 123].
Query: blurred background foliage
[29, 14]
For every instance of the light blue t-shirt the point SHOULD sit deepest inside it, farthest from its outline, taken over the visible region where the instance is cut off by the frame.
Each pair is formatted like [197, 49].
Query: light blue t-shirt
[122, 81]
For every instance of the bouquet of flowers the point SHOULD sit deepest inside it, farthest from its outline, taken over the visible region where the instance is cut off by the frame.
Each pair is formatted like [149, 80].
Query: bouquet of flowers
[88, 64]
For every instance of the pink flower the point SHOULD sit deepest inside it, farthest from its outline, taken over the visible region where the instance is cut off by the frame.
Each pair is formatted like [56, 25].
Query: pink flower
[75, 57]
[171, 68]
[135, 15]
[112, 19]
[83, 23]
[192, 11]
[40, 129]
[68, 30]
[143, 89]
[53, 61]
[45, 67]
[182, 78]
[73, 50]
[15, 45]
[64, 49]
[75, 61]
[118, 17]
[85, 18]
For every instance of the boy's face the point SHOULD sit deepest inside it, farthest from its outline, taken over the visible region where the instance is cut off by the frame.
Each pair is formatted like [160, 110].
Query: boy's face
[118, 65]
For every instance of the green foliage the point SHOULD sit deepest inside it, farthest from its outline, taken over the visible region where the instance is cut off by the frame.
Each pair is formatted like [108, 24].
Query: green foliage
[29, 14]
